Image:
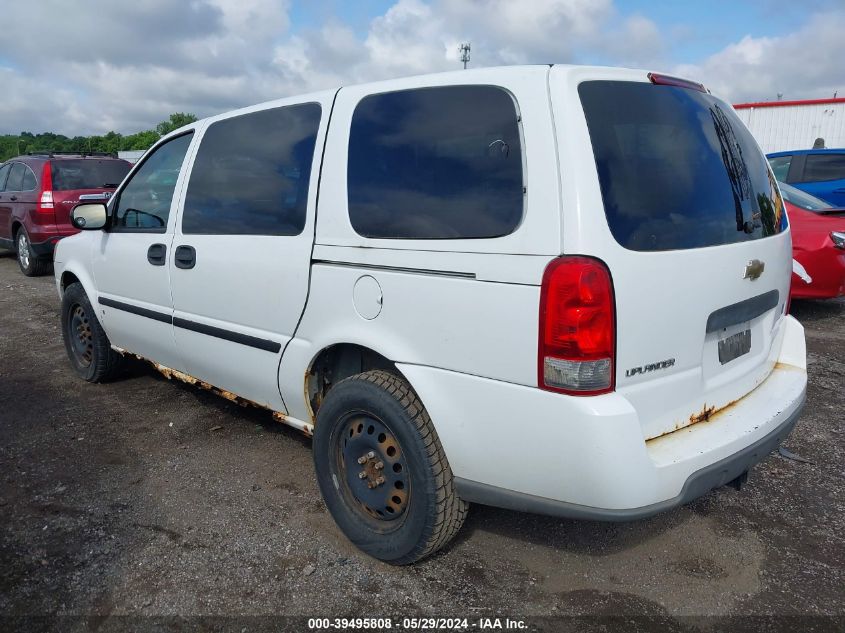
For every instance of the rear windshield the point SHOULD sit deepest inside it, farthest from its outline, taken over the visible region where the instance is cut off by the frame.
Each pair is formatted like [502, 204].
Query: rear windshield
[88, 173]
[802, 199]
[677, 168]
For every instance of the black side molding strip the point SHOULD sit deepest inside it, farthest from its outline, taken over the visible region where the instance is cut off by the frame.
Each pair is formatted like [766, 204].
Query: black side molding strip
[398, 269]
[742, 311]
[235, 337]
[128, 307]
[185, 324]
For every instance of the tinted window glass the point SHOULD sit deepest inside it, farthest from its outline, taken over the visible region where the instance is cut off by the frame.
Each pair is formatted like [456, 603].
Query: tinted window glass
[15, 182]
[780, 166]
[144, 203]
[88, 173]
[435, 163]
[824, 167]
[4, 173]
[677, 168]
[251, 174]
[802, 199]
[28, 183]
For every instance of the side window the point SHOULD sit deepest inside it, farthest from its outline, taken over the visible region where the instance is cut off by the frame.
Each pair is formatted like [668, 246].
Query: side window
[15, 181]
[435, 163]
[4, 173]
[824, 167]
[28, 179]
[144, 203]
[251, 174]
[780, 167]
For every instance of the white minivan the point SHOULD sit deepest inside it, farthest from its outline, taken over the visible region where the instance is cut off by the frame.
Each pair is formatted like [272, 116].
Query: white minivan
[555, 289]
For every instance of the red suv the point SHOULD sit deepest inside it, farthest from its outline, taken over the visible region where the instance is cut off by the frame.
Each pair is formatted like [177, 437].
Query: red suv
[37, 193]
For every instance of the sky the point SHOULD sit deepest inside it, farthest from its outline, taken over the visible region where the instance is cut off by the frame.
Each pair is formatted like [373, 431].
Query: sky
[79, 67]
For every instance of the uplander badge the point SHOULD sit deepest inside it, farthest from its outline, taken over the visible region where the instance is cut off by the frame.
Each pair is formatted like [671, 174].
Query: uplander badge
[664, 364]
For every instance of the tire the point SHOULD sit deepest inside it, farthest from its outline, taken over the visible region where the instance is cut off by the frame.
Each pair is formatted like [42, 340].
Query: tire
[86, 343]
[30, 265]
[372, 418]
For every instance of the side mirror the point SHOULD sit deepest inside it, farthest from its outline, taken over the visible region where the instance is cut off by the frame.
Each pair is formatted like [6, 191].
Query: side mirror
[88, 217]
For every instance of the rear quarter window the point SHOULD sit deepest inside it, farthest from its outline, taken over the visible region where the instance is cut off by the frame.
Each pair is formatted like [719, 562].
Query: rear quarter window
[435, 163]
[677, 168]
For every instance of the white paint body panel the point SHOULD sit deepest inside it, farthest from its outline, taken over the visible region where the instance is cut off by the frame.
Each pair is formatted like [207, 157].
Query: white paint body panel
[459, 318]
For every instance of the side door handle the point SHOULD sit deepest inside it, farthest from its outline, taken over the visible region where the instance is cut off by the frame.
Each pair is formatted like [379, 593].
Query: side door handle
[13, 198]
[185, 257]
[156, 254]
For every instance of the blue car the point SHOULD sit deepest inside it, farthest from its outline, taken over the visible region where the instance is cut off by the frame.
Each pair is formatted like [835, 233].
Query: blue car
[819, 172]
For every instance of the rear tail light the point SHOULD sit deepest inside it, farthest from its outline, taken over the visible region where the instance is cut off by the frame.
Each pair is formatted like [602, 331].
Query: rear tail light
[838, 238]
[576, 352]
[45, 203]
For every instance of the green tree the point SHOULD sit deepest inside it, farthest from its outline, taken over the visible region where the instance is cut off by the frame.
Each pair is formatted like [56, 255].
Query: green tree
[176, 120]
[16, 144]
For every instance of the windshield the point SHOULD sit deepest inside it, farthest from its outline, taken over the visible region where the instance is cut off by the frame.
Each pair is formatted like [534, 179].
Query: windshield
[802, 199]
[88, 173]
[677, 168]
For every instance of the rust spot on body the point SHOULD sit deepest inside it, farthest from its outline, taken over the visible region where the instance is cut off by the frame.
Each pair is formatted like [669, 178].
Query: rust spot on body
[278, 416]
[703, 416]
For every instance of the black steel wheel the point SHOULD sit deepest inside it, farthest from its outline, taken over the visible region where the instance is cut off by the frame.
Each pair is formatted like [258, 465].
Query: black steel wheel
[382, 471]
[81, 337]
[376, 472]
[86, 343]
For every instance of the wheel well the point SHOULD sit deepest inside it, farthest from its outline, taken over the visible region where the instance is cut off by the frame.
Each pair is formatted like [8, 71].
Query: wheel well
[337, 362]
[15, 227]
[68, 279]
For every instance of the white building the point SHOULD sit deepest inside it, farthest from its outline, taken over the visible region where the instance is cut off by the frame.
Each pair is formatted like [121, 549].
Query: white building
[786, 125]
[131, 155]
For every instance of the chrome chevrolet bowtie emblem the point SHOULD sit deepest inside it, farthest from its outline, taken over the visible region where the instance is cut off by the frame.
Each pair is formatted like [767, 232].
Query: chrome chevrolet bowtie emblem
[754, 269]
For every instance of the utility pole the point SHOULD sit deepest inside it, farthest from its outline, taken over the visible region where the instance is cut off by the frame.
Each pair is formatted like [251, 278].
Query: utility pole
[464, 49]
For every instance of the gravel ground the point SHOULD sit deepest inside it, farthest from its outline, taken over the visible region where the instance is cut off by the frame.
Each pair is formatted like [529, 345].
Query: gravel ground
[146, 497]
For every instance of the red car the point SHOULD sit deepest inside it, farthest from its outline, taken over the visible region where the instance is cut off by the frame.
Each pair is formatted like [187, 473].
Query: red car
[37, 193]
[818, 245]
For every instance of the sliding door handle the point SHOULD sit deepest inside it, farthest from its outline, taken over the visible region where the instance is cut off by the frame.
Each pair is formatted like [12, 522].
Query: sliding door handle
[186, 257]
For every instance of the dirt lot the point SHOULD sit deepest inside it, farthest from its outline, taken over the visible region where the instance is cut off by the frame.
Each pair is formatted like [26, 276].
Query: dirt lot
[147, 497]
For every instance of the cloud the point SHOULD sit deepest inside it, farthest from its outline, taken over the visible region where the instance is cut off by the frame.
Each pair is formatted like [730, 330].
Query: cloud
[127, 65]
[803, 64]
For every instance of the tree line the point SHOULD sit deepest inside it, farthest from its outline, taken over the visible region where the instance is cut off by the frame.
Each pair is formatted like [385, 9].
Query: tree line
[26, 142]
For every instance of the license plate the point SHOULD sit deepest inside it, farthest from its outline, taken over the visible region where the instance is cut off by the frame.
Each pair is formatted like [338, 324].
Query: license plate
[734, 346]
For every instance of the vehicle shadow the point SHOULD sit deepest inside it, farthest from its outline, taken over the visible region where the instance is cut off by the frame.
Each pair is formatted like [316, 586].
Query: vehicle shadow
[576, 536]
[810, 310]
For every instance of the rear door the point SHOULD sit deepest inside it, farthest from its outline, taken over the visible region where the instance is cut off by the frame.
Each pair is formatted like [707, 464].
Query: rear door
[824, 177]
[242, 252]
[6, 237]
[667, 186]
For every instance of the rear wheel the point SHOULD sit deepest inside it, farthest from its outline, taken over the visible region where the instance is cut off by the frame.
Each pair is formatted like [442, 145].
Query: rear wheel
[382, 471]
[30, 265]
[86, 343]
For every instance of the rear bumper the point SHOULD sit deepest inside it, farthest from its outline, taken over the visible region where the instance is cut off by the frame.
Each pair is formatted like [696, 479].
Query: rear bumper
[522, 448]
[699, 483]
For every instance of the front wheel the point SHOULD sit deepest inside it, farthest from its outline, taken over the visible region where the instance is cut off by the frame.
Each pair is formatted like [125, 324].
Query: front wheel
[382, 471]
[87, 345]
